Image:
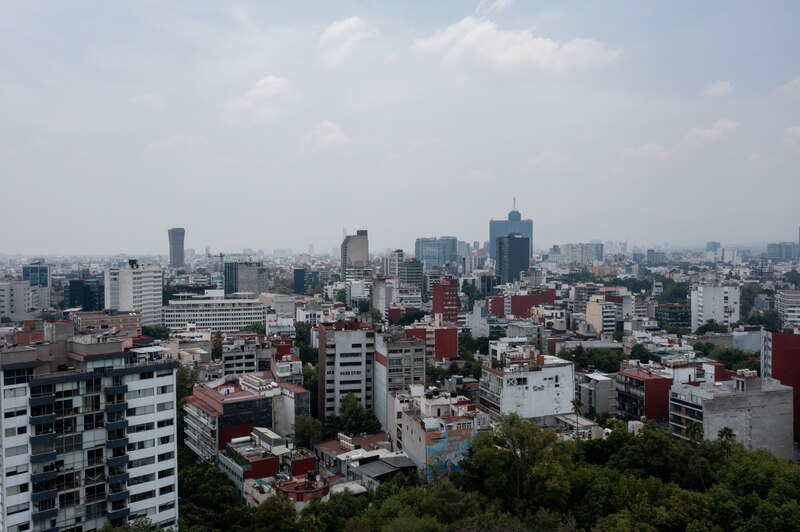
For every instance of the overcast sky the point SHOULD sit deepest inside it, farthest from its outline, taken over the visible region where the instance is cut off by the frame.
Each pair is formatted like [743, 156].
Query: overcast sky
[268, 125]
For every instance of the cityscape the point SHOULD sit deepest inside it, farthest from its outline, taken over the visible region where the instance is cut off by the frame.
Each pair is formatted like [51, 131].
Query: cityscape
[351, 267]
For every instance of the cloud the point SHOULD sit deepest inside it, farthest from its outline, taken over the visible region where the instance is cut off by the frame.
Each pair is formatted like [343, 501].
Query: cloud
[656, 151]
[793, 87]
[487, 6]
[718, 89]
[325, 134]
[481, 40]
[721, 127]
[149, 100]
[341, 38]
[549, 160]
[270, 97]
[791, 137]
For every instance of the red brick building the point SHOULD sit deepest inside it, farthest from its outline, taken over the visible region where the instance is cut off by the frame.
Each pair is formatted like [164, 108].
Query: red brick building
[780, 360]
[445, 299]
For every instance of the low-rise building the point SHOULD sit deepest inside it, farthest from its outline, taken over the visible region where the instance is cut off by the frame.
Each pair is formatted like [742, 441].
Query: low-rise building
[109, 321]
[759, 411]
[597, 393]
[213, 311]
[642, 391]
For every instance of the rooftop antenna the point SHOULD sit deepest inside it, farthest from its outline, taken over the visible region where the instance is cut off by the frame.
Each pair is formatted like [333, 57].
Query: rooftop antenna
[515, 203]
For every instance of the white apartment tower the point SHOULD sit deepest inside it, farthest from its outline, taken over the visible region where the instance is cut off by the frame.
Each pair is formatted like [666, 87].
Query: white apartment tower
[346, 357]
[787, 303]
[399, 363]
[89, 444]
[718, 302]
[137, 287]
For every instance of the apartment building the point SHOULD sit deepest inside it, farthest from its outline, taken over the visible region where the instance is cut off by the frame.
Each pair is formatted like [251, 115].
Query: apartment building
[399, 363]
[213, 311]
[346, 357]
[135, 287]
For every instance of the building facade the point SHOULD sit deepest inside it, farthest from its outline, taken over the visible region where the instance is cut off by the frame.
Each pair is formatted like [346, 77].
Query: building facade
[513, 257]
[135, 287]
[514, 224]
[213, 311]
[399, 363]
[250, 276]
[787, 303]
[346, 358]
[780, 360]
[176, 237]
[445, 299]
[718, 302]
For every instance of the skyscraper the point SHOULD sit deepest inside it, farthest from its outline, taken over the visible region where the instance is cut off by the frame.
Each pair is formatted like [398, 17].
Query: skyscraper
[136, 287]
[512, 257]
[514, 224]
[355, 250]
[436, 252]
[250, 277]
[176, 235]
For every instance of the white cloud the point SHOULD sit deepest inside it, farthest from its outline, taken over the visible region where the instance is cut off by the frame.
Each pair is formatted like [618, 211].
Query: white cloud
[271, 96]
[549, 160]
[715, 132]
[481, 40]
[653, 150]
[496, 6]
[341, 38]
[791, 137]
[718, 89]
[793, 87]
[325, 134]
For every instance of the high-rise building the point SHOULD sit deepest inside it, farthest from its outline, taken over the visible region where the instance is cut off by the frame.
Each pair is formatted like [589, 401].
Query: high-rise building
[718, 302]
[436, 252]
[514, 224]
[513, 257]
[136, 286]
[16, 300]
[248, 276]
[176, 237]
[391, 263]
[88, 294]
[411, 272]
[787, 303]
[780, 360]
[92, 446]
[783, 251]
[445, 299]
[38, 274]
[300, 280]
[355, 250]
[346, 358]
[399, 363]
[713, 247]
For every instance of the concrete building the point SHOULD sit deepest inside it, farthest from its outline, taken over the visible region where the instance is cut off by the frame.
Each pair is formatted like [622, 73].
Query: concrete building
[108, 322]
[88, 434]
[231, 407]
[642, 392]
[518, 380]
[249, 276]
[440, 340]
[436, 252]
[718, 302]
[213, 311]
[176, 237]
[346, 358]
[602, 315]
[38, 274]
[411, 272]
[16, 300]
[391, 263]
[787, 303]
[597, 392]
[135, 287]
[780, 360]
[355, 251]
[759, 411]
[514, 224]
[399, 363]
[513, 257]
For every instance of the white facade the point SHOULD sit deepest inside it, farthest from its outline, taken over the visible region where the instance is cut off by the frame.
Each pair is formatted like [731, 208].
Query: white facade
[137, 287]
[214, 312]
[787, 303]
[347, 358]
[16, 300]
[719, 303]
[399, 363]
[534, 388]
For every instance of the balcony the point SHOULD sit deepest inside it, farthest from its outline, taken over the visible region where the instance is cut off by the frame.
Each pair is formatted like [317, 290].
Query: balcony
[44, 476]
[116, 461]
[116, 407]
[41, 458]
[117, 495]
[115, 425]
[118, 478]
[45, 514]
[46, 419]
[116, 515]
[42, 400]
[43, 439]
[44, 495]
[119, 442]
[113, 390]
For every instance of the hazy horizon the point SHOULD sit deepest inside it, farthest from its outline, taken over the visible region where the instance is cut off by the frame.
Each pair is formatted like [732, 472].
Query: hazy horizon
[275, 126]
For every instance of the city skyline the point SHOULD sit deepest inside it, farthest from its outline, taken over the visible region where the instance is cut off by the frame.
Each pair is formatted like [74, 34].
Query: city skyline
[639, 123]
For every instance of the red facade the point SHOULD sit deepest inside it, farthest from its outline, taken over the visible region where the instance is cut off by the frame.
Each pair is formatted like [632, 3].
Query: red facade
[786, 368]
[445, 299]
[446, 343]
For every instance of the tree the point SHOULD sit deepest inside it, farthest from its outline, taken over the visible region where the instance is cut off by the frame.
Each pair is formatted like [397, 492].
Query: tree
[159, 332]
[769, 319]
[577, 404]
[354, 418]
[711, 326]
[259, 328]
[411, 317]
[274, 514]
[216, 345]
[307, 431]
[640, 353]
[310, 382]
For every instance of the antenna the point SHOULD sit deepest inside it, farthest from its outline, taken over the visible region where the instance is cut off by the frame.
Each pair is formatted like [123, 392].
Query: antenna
[515, 203]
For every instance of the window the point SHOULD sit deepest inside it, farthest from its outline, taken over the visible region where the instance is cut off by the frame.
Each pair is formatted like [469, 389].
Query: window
[17, 376]
[143, 496]
[165, 406]
[164, 374]
[139, 445]
[146, 375]
[165, 507]
[142, 427]
[15, 431]
[134, 481]
[166, 489]
[140, 411]
[164, 473]
[165, 389]
[163, 440]
[18, 508]
[149, 460]
[17, 450]
[16, 490]
[166, 456]
[16, 470]
[166, 423]
[71, 498]
[14, 413]
[15, 392]
[136, 394]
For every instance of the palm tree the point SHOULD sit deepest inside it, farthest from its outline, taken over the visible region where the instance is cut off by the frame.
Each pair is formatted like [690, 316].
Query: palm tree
[694, 431]
[577, 404]
[216, 345]
[726, 438]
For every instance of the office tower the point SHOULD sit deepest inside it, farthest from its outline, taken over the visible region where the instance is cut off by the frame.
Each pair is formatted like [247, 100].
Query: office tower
[346, 357]
[250, 277]
[445, 299]
[411, 272]
[90, 445]
[782, 251]
[176, 235]
[38, 274]
[136, 286]
[300, 280]
[436, 252]
[713, 247]
[88, 294]
[514, 224]
[513, 257]
[355, 250]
